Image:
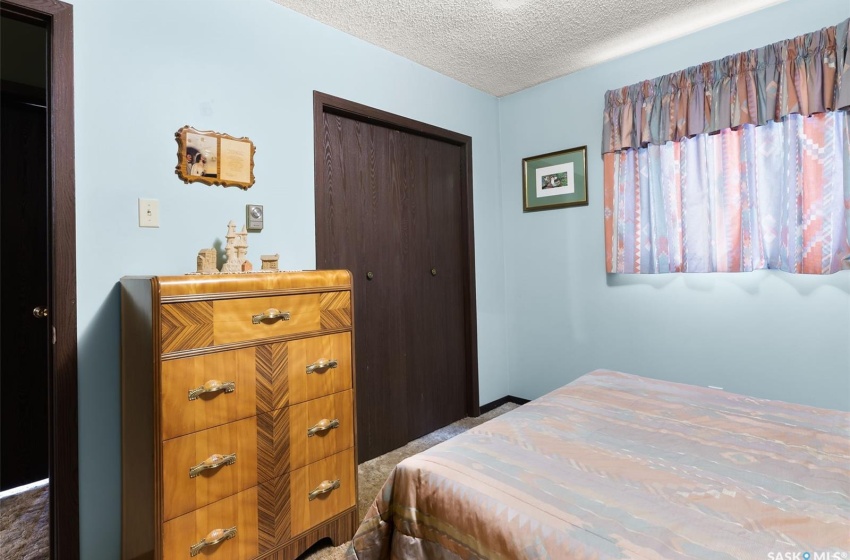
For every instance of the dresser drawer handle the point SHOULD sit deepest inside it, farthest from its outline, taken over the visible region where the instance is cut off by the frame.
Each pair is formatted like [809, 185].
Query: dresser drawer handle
[323, 425]
[215, 537]
[322, 365]
[270, 314]
[212, 386]
[324, 488]
[212, 462]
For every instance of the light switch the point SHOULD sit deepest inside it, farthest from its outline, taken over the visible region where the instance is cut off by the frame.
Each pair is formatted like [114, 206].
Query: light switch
[148, 212]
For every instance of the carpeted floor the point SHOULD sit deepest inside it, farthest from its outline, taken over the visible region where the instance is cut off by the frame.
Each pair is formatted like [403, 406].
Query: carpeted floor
[24, 517]
[371, 475]
[25, 525]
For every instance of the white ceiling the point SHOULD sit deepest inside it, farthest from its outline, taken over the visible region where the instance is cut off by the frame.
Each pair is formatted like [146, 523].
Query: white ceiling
[503, 46]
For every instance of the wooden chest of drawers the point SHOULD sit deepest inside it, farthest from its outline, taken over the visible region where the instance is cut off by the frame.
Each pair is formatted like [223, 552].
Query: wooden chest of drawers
[237, 415]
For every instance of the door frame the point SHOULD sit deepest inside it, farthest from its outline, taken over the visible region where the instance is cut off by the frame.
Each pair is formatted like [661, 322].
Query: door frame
[324, 103]
[63, 467]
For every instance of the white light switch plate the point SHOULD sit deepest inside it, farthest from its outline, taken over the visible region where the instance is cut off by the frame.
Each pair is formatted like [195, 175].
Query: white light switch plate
[148, 212]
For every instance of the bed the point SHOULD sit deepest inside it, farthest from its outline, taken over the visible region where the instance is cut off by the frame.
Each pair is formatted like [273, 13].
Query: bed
[615, 465]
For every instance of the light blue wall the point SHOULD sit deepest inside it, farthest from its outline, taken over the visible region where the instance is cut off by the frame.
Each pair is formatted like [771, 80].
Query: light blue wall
[145, 68]
[767, 334]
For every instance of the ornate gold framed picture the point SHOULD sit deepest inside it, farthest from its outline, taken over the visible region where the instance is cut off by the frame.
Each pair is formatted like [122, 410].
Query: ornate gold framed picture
[214, 158]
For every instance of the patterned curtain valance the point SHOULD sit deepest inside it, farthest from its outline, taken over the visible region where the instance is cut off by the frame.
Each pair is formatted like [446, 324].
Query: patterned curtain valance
[808, 74]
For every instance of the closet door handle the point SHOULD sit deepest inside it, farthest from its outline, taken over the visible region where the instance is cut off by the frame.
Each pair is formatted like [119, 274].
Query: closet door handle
[433, 272]
[322, 364]
[270, 314]
[323, 488]
[213, 538]
[369, 275]
[212, 386]
[323, 425]
[212, 462]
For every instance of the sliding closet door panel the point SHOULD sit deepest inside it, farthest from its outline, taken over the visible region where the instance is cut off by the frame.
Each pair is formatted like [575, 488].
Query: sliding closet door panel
[418, 305]
[432, 261]
[362, 199]
[445, 225]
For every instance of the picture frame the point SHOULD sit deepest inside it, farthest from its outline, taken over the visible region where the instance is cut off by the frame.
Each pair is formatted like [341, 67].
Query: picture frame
[214, 158]
[555, 180]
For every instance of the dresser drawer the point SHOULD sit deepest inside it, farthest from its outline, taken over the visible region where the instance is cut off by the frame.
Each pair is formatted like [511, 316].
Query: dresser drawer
[259, 380]
[237, 512]
[329, 419]
[209, 465]
[184, 412]
[201, 324]
[237, 320]
[261, 516]
[307, 513]
[307, 378]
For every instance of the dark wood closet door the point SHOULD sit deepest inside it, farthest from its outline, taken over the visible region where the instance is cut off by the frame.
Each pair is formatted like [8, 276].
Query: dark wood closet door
[433, 267]
[360, 198]
[389, 211]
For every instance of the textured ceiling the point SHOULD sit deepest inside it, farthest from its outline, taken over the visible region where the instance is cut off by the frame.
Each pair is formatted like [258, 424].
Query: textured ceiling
[503, 46]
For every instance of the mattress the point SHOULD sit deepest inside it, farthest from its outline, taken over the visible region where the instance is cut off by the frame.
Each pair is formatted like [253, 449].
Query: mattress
[615, 465]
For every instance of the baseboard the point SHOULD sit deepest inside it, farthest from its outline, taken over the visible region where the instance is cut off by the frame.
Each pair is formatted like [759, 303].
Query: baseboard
[499, 402]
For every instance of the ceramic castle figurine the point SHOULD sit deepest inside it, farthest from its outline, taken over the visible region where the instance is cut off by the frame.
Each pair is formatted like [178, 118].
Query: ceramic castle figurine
[232, 264]
[242, 250]
[206, 261]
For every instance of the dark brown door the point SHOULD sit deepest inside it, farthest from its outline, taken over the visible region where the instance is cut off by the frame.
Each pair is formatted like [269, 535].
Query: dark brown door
[39, 353]
[432, 266]
[389, 207]
[25, 369]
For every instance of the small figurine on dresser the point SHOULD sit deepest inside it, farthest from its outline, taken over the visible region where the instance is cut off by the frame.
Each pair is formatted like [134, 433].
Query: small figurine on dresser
[242, 251]
[236, 255]
[206, 261]
[269, 262]
[232, 264]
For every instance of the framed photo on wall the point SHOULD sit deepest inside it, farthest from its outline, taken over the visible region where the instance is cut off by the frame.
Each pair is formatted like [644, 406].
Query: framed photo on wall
[214, 158]
[555, 180]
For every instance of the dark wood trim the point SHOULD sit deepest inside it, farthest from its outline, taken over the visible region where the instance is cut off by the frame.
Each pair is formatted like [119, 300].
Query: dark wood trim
[64, 477]
[349, 109]
[485, 408]
[324, 103]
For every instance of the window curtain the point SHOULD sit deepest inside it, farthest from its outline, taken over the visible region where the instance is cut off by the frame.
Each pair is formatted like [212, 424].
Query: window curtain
[733, 165]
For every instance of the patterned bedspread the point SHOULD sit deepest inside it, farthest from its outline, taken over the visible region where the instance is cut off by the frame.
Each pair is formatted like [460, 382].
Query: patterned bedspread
[621, 466]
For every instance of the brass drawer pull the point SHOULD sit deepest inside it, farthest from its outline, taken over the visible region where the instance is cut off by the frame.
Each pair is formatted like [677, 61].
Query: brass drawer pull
[323, 425]
[212, 386]
[212, 462]
[270, 314]
[215, 537]
[324, 488]
[321, 365]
